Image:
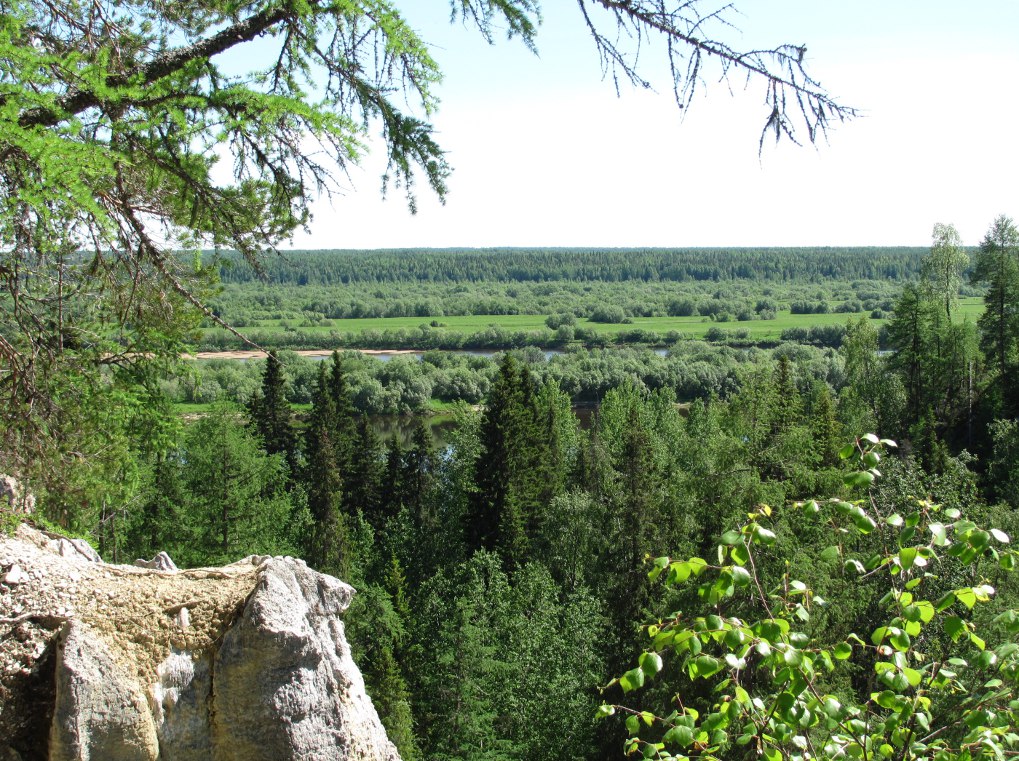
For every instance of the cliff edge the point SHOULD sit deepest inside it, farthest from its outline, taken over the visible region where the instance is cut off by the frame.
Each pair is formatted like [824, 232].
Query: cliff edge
[246, 661]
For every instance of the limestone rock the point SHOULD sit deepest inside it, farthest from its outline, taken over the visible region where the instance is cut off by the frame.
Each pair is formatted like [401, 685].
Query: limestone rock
[14, 576]
[286, 686]
[161, 562]
[100, 711]
[246, 661]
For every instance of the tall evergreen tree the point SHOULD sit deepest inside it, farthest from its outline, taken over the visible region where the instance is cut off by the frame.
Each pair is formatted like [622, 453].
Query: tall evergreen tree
[912, 334]
[343, 429]
[486, 519]
[236, 504]
[825, 426]
[327, 543]
[364, 479]
[418, 474]
[788, 406]
[391, 494]
[997, 264]
[271, 414]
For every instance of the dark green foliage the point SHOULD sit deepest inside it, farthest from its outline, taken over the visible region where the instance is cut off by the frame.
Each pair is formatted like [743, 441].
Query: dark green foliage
[327, 544]
[271, 414]
[599, 265]
[525, 435]
[341, 413]
[365, 476]
[216, 498]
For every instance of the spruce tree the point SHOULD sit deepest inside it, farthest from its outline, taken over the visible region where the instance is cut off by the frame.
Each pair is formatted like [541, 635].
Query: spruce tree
[787, 404]
[342, 427]
[391, 493]
[364, 479]
[417, 475]
[327, 545]
[485, 521]
[825, 427]
[271, 415]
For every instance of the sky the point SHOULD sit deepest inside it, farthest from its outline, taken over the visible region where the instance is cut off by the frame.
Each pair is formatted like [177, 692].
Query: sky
[545, 153]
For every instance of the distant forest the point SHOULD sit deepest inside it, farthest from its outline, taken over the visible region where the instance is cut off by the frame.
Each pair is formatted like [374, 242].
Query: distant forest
[336, 267]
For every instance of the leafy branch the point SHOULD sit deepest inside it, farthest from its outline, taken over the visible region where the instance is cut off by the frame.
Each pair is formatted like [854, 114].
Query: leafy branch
[775, 693]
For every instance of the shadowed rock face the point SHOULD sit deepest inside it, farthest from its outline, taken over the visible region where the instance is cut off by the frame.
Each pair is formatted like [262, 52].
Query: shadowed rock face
[248, 661]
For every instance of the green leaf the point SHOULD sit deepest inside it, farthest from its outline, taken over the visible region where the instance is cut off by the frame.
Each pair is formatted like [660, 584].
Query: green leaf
[966, 596]
[1000, 535]
[864, 523]
[906, 557]
[888, 700]
[659, 565]
[650, 663]
[954, 627]
[740, 576]
[704, 666]
[854, 566]
[913, 677]
[680, 735]
[604, 711]
[632, 680]
[945, 602]
[900, 641]
[731, 536]
[739, 554]
[842, 651]
[830, 554]
[832, 707]
[860, 478]
[765, 536]
[926, 609]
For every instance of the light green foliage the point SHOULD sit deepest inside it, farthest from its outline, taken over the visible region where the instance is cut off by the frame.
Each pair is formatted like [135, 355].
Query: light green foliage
[235, 501]
[942, 269]
[509, 664]
[938, 678]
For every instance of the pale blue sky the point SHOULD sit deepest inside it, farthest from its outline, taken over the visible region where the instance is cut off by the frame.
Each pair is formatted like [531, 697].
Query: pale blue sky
[545, 154]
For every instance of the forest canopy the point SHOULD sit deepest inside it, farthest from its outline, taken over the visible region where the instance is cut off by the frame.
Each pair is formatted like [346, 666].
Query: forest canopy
[116, 117]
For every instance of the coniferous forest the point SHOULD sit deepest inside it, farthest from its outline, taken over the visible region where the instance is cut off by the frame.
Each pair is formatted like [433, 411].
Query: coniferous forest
[528, 573]
[782, 528]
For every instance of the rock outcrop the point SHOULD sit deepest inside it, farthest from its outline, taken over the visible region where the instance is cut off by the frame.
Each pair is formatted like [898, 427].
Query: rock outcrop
[105, 662]
[14, 498]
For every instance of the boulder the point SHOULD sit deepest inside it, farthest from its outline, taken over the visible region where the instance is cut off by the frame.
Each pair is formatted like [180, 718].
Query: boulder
[246, 661]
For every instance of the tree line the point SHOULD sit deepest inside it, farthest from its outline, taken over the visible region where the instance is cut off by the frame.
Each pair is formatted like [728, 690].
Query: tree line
[335, 267]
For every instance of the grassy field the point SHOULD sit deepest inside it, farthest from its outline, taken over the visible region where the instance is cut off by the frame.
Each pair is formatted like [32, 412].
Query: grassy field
[693, 327]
